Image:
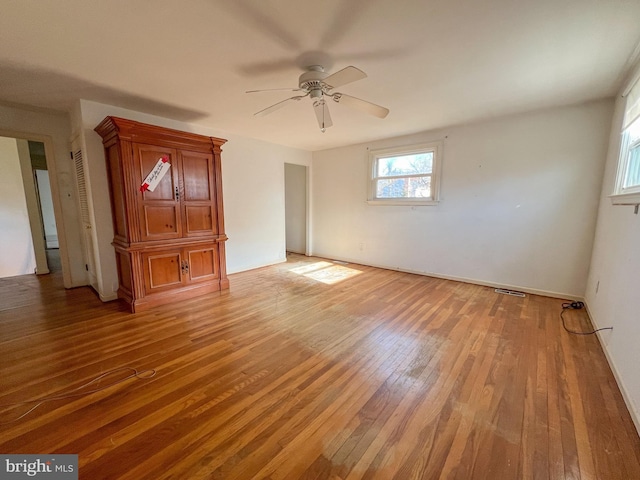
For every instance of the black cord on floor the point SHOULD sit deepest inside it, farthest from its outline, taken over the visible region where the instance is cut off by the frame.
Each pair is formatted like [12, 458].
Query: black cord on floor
[577, 306]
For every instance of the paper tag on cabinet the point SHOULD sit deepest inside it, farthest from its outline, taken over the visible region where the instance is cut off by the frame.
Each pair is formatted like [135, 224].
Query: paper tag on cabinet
[153, 179]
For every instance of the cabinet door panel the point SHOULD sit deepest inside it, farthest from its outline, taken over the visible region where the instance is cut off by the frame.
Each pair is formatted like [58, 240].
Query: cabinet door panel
[198, 193]
[197, 174]
[162, 270]
[159, 221]
[160, 209]
[199, 218]
[202, 263]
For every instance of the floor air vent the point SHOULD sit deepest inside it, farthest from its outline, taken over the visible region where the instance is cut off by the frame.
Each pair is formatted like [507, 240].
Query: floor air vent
[510, 292]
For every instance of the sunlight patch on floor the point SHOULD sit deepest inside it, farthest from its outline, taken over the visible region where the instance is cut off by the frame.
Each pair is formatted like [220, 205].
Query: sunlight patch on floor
[326, 272]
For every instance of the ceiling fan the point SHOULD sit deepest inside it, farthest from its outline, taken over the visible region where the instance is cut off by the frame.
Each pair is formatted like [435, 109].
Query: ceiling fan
[319, 85]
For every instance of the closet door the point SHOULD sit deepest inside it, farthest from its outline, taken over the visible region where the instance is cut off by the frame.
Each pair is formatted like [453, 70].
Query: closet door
[159, 211]
[198, 194]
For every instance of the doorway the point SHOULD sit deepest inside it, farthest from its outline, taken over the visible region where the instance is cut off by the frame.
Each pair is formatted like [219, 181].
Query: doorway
[29, 236]
[45, 205]
[295, 187]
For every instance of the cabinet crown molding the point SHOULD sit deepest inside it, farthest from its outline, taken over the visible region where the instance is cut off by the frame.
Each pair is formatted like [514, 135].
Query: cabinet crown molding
[133, 131]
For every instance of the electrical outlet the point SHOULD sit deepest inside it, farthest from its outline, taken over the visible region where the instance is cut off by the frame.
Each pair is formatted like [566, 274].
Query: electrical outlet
[361, 246]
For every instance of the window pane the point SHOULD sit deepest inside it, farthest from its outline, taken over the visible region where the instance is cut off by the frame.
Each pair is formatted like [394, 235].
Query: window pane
[419, 187]
[634, 131]
[632, 177]
[414, 164]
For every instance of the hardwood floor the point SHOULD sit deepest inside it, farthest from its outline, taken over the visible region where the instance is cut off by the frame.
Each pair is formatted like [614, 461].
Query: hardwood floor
[313, 370]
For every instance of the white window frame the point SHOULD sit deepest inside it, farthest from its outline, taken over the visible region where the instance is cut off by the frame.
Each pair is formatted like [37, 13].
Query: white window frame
[627, 195]
[375, 155]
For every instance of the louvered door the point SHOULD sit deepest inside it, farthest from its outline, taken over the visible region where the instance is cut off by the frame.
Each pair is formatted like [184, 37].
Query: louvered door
[85, 218]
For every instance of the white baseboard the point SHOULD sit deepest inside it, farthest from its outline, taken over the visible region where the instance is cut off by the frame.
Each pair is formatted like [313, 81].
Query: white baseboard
[246, 268]
[635, 416]
[108, 298]
[484, 283]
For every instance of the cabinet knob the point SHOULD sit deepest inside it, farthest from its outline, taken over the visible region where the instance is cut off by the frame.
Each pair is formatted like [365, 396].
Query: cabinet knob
[177, 194]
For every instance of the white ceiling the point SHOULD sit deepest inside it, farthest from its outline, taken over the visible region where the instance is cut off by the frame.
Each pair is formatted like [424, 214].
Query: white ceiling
[433, 63]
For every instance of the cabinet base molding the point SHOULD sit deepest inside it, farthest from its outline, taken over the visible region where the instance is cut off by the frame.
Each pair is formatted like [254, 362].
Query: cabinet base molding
[172, 297]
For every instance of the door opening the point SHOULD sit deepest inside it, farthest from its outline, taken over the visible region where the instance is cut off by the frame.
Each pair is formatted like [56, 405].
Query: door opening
[295, 186]
[44, 198]
[25, 197]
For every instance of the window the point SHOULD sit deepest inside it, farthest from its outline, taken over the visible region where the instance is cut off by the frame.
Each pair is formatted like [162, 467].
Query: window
[405, 175]
[627, 189]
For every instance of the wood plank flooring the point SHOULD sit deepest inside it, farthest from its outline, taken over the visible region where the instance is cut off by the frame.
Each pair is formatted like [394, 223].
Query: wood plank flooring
[312, 370]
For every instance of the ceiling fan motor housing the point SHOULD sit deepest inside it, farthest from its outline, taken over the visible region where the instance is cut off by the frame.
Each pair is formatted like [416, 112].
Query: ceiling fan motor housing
[312, 80]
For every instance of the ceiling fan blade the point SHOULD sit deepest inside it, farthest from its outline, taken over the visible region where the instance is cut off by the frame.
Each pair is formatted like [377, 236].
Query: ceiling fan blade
[362, 105]
[261, 18]
[267, 68]
[277, 106]
[322, 114]
[345, 16]
[274, 90]
[344, 76]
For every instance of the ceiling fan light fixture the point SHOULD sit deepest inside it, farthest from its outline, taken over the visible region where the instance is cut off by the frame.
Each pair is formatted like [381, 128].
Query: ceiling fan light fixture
[316, 93]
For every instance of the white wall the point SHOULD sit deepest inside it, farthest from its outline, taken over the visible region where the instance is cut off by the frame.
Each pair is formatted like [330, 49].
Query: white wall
[254, 201]
[16, 249]
[253, 192]
[53, 130]
[518, 203]
[612, 294]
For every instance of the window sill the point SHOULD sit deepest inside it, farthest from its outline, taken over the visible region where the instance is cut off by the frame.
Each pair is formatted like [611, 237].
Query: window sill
[625, 198]
[399, 202]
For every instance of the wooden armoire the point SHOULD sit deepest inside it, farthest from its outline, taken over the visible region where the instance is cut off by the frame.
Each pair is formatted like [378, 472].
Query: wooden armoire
[169, 242]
